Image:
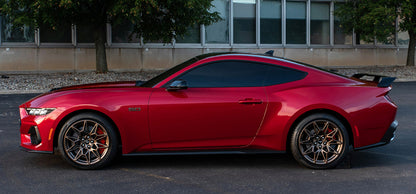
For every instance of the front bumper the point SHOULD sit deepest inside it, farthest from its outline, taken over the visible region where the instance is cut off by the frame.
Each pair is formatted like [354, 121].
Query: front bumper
[387, 138]
[36, 132]
[34, 151]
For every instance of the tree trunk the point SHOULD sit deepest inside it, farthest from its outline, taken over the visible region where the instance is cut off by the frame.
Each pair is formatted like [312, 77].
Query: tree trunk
[411, 50]
[100, 53]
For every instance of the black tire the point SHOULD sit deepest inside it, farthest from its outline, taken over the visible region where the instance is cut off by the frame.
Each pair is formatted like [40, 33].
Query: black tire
[319, 141]
[88, 141]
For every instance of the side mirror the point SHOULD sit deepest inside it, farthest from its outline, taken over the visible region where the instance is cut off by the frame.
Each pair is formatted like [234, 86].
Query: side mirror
[177, 85]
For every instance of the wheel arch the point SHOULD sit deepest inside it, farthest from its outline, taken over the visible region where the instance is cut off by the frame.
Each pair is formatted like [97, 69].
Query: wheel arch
[70, 115]
[317, 111]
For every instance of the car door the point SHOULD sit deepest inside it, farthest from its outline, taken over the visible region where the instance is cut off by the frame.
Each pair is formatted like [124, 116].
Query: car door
[223, 106]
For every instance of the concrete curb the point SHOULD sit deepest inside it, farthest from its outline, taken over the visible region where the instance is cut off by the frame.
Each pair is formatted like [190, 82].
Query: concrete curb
[22, 91]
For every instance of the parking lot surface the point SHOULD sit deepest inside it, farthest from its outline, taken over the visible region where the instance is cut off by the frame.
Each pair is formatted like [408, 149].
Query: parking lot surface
[387, 169]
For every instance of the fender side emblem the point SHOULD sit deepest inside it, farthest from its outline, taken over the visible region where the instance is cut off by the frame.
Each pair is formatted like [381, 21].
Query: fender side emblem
[134, 109]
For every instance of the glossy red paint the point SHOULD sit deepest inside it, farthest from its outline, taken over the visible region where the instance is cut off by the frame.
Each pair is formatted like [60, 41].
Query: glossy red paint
[210, 117]
[152, 119]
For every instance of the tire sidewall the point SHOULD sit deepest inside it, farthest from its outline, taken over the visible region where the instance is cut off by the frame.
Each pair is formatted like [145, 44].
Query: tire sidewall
[112, 150]
[295, 138]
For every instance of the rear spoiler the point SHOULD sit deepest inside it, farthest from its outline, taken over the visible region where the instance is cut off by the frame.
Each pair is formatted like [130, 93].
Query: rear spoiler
[382, 81]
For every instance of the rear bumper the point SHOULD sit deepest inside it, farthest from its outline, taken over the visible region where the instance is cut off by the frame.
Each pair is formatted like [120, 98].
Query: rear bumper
[389, 135]
[387, 138]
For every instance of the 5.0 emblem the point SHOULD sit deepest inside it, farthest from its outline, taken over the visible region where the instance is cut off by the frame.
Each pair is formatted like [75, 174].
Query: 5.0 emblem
[134, 109]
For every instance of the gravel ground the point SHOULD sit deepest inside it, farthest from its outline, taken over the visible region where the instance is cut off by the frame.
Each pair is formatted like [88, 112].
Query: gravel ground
[35, 83]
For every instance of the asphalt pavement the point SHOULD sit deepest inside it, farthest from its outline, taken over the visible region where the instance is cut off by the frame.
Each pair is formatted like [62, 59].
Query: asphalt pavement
[387, 169]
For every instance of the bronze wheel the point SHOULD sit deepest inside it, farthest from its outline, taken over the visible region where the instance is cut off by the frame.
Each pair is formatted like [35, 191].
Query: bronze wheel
[319, 141]
[88, 141]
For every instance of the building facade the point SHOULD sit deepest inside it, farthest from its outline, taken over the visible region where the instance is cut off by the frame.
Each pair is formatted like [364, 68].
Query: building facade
[303, 30]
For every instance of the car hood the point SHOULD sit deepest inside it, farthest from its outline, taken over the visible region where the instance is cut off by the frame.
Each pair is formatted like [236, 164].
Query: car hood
[59, 95]
[98, 85]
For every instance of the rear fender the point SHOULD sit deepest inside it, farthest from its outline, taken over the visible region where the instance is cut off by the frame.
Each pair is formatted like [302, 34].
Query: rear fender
[321, 108]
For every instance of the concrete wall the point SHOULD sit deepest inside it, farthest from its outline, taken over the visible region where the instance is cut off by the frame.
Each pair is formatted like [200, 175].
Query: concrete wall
[23, 60]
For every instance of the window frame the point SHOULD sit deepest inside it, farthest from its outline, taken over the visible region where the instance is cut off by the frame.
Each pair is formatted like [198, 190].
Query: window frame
[307, 21]
[219, 45]
[16, 44]
[329, 20]
[55, 44]
[282, 27]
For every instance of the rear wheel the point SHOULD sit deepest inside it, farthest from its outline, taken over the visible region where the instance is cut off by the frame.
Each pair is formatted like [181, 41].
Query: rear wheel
[320, 141]
[88, 141]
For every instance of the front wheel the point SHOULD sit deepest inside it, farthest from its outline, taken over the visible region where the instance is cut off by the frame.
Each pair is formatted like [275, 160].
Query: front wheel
[319, 141]
[88, 141]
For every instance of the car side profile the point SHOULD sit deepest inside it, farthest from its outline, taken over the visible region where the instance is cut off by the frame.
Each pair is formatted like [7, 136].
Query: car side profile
[215, 103]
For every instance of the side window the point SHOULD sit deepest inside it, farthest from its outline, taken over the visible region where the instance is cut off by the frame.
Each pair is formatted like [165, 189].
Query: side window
[279, 75]
[239, 74]
[226, 74]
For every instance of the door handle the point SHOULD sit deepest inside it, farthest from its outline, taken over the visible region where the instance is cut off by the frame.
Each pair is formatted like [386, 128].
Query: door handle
[250, 101]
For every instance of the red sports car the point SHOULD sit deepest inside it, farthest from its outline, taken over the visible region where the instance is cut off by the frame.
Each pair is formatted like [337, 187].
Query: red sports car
[215, 103]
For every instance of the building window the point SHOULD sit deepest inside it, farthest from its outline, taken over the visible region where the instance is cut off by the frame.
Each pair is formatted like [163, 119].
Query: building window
[85, 34]
[340, 37]
[320, 27]
[244, 20]
[403, 38]
[389, 42]
[122, 33]
[270, 22]
[192, 36]
[218, 33]
[59, 34]
[390, 39]
[359, 40]
[10, 33]
[295, 22]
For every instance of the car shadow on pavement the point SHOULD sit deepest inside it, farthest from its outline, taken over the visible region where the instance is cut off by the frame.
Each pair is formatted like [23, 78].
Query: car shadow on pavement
[208, 161]
[372, 158]
[362, 159]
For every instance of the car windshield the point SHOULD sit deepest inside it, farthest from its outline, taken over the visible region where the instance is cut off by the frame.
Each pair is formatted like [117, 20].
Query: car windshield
[152, 82]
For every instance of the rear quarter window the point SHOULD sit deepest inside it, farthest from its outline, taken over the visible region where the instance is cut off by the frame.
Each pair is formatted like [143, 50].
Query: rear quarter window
[280, 75]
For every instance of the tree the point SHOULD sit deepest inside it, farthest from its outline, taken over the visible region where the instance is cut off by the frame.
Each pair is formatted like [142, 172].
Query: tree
[376, 20]
[152, 19]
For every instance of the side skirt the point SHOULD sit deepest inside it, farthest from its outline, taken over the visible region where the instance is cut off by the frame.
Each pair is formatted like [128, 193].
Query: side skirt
[205, 152]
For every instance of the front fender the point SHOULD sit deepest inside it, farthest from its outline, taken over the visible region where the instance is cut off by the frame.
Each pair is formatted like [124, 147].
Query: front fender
[116, 105]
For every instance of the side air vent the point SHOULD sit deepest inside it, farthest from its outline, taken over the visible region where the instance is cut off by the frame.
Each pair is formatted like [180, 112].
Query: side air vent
[34, 135]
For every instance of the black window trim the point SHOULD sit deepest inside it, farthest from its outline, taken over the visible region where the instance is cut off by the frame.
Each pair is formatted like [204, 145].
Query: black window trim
[166, 85]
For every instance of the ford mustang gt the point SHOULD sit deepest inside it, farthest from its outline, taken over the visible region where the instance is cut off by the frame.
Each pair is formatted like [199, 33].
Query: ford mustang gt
[215, 103]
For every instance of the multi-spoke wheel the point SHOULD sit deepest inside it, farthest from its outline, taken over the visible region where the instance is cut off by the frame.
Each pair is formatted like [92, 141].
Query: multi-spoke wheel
[88, 141]
[319, 141]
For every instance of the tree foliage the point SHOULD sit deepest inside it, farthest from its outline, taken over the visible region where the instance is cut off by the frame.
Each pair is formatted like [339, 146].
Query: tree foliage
[376, 20]
[152, 19]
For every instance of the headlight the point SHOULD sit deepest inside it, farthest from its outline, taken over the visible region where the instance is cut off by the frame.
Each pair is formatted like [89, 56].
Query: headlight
[39, 111]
